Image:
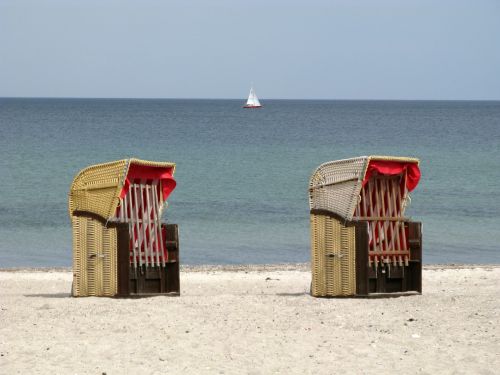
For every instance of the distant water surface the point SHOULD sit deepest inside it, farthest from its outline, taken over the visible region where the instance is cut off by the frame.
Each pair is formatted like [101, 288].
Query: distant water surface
[243, 174]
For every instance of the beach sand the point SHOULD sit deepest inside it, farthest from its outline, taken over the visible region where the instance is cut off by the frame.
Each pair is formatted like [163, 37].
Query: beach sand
[251, 320]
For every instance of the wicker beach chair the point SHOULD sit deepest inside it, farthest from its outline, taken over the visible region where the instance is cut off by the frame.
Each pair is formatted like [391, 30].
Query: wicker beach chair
[361, 242]
[120, 245]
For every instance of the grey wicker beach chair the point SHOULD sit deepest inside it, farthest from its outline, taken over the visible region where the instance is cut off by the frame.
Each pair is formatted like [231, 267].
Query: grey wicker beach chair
[361, 242]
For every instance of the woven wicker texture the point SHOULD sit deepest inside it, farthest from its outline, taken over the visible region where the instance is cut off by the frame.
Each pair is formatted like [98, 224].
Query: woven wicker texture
[94, 258]
[335, 185]
[97, 188]
[332, 257]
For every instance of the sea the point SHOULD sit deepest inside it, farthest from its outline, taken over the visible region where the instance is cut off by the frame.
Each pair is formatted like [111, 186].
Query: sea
[242, 175]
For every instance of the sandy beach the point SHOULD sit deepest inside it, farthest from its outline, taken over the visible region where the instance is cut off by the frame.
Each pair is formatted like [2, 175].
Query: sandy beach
[251, 320]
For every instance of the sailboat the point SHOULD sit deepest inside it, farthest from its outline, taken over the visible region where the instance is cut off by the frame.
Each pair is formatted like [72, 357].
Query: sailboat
[252, 101]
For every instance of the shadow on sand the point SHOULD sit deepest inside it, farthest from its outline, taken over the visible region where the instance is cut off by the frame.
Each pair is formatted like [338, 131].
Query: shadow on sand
[49, 295]
[293, 294]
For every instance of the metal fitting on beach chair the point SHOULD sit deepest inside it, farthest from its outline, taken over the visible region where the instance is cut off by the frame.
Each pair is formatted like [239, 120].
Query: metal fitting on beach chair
[120, 245]
[361, 242]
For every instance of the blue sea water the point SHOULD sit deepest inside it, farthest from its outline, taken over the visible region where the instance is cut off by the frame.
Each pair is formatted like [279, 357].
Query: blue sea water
[243, 174]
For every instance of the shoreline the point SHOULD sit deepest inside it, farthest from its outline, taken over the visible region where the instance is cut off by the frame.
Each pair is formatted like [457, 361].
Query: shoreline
[257, 267]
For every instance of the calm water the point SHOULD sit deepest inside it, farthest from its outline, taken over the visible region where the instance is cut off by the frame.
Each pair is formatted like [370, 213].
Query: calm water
[242, 174]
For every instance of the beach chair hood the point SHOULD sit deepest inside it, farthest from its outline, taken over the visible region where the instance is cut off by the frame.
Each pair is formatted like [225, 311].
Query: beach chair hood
[97, 189]
[335, 186]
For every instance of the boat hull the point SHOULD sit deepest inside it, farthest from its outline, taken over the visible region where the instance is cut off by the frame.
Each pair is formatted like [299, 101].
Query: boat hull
[252, 106]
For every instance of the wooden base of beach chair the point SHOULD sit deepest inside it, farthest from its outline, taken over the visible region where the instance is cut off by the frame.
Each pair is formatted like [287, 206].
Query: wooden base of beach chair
[341, 265]
[137, 281]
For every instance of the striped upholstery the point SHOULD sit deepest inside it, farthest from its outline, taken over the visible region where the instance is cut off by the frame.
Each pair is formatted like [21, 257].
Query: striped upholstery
[141, 208]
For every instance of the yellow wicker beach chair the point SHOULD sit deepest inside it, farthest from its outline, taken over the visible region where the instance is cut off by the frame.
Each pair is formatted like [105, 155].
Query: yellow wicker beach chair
[120, 245]
[361, 242]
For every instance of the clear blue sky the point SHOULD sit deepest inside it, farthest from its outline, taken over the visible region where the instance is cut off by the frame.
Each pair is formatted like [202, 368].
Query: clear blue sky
[386, 49]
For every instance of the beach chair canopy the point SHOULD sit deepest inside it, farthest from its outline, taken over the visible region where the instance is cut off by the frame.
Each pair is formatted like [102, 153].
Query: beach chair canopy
[100, 189]
[336, 186]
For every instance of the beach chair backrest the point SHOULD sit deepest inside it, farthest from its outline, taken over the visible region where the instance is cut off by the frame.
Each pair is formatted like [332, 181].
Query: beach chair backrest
[141, 207]
[382, 203]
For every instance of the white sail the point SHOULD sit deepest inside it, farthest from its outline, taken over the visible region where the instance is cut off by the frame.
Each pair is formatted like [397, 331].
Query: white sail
[252, 100]
[255, 100]
[250, 97]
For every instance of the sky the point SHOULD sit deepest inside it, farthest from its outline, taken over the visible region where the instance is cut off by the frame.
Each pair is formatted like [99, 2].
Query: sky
[385, 49]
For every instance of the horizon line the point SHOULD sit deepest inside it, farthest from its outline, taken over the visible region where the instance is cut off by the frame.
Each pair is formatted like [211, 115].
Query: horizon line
[243, 99]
